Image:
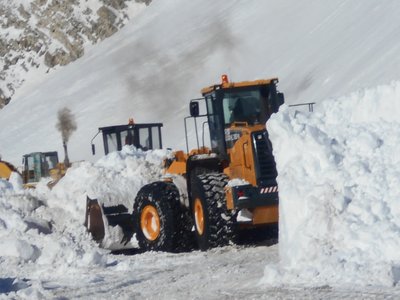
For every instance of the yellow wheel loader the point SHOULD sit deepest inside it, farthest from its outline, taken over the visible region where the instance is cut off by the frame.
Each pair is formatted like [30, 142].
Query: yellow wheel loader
[35, 166]
[220, 189]
[142, 136]
[38, 165]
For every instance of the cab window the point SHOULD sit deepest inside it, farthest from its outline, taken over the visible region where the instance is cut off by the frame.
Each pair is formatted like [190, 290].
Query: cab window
[242, 106]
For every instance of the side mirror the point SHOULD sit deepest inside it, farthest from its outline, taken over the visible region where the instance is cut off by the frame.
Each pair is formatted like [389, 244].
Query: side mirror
[280, 99]
[93, 147]
[194, 109]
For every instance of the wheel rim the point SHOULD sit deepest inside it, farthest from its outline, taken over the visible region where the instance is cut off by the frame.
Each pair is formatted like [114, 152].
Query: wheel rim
[199, 216]
[150, 222]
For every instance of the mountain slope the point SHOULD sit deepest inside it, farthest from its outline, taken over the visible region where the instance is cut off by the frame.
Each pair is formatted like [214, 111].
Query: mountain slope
[38, 35]
[151, 68]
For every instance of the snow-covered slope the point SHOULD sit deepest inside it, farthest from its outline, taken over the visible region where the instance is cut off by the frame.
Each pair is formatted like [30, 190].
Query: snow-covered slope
[151, 68]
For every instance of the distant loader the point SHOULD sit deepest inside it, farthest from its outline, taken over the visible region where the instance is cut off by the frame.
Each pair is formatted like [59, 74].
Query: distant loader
[217, 190]
[142, 136]
[35, 166]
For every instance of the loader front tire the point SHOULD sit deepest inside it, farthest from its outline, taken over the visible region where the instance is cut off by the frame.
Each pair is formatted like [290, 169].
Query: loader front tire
[214, 223]
[161, 224]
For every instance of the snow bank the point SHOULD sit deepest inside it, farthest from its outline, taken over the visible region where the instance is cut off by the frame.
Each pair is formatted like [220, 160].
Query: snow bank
[339, 182]
[41, 230]
[33, 247]
[30, 230]
[114, 179]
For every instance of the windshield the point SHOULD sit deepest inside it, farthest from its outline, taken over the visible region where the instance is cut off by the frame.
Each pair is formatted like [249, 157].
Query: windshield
[127, 137]
[111, 140]
[243, 106]
[51, 160]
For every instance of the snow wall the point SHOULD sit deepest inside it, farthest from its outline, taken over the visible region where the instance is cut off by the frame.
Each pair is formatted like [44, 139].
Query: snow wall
[339, 182]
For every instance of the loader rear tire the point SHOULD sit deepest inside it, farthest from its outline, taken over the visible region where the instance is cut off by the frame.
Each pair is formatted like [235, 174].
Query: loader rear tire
[161, 223]
[214, 223]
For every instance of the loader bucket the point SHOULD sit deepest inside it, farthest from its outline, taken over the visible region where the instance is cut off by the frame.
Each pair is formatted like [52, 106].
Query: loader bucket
[97, 215]
[94, 219]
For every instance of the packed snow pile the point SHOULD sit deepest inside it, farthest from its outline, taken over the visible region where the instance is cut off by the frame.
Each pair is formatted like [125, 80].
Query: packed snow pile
[35, 243]
[339, 182]
[114, 179]
[45, 227]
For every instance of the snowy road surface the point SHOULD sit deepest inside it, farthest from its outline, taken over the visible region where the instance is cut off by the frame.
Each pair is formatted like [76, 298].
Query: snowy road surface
[220, 273]
[226, 273]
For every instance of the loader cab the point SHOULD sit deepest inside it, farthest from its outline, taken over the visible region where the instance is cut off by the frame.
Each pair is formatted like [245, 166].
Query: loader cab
[142, 136]
[231, 107]
[38, 165]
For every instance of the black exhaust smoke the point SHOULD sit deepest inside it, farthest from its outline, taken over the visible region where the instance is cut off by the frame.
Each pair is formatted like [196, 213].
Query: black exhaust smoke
[66, 125]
